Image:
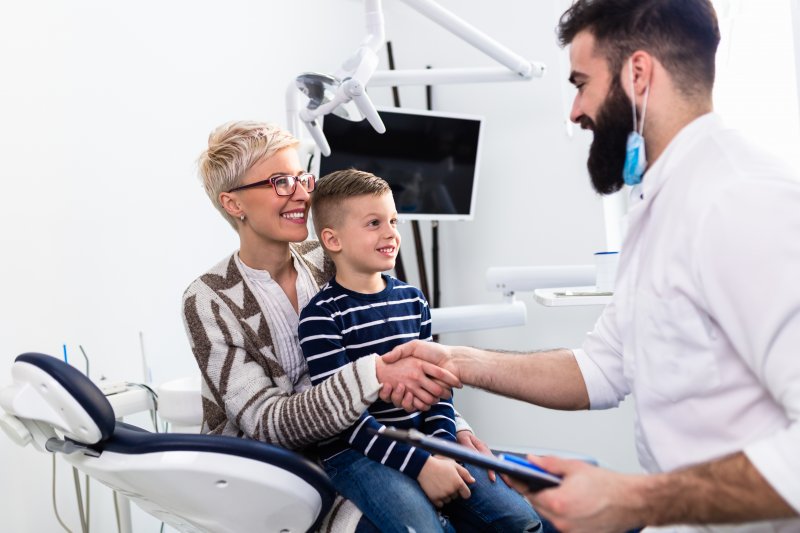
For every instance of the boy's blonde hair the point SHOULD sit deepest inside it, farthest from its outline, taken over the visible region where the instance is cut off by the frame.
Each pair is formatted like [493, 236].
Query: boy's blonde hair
[326, 209]
[233, 149]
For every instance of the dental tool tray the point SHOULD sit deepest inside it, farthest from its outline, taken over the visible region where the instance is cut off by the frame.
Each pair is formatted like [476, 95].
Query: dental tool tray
[535, 477]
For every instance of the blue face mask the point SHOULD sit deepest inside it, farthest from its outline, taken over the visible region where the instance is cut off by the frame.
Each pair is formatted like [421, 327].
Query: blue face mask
[635, 154]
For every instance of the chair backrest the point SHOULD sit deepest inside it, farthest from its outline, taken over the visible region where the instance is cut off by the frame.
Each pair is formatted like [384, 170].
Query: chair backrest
[192, 482]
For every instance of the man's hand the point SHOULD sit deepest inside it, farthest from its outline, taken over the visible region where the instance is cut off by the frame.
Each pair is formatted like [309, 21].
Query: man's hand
[443, 480]
[402, 395]
[589, 499]
[422, 381]
[467, 438]
[438, 354]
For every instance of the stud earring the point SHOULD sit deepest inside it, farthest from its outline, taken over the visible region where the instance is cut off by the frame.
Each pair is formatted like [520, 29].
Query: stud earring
[241, 217]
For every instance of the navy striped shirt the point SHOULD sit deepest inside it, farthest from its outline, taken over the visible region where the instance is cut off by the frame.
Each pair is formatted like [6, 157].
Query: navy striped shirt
[339, 326]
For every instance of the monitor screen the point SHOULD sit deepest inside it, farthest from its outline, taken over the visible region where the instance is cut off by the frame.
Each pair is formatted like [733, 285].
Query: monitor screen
[429, 159]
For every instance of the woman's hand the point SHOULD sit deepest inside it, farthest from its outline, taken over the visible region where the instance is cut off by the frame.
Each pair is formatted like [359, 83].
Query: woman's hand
[443, 480]
[467, 438]
[421, 382]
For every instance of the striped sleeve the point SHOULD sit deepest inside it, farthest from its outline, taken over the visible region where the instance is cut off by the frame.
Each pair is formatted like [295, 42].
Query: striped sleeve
[440, 421]
[398, 455]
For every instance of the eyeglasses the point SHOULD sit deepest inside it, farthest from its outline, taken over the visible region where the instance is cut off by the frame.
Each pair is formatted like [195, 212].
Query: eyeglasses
[284, 184]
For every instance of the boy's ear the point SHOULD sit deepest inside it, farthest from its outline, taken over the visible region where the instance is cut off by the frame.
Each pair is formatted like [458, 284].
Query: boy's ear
[330, 240]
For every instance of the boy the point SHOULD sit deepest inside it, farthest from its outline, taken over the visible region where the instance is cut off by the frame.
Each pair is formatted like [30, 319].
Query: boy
[361, 312]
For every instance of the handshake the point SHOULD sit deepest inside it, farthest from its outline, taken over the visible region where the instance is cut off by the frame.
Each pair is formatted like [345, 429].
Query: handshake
[415, 375]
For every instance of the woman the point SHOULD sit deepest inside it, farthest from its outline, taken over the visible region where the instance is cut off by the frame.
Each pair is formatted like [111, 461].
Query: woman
[241, 316]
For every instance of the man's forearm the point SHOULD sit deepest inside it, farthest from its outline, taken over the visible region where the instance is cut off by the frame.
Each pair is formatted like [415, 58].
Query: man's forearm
[550, 379]
[728, 490]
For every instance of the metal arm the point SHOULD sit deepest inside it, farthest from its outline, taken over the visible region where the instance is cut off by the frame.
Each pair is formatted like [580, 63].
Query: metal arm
[331, 93]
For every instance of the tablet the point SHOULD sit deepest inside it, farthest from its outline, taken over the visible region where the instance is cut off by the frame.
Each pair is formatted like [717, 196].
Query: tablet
[535, 477]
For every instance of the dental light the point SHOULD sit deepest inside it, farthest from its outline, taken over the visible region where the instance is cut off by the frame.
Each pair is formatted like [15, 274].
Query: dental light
[344, 92]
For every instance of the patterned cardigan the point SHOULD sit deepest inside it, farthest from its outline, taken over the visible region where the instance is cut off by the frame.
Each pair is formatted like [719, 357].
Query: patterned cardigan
[246, 392]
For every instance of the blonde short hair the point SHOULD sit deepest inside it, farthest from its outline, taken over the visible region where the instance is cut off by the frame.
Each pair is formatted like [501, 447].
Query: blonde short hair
[233, 149]
[326, 210]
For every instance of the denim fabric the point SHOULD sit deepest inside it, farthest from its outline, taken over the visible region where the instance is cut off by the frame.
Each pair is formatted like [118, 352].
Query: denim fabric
[396, 503]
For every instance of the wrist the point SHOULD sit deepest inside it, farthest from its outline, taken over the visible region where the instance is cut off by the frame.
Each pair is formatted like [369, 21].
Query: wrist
[380, 369]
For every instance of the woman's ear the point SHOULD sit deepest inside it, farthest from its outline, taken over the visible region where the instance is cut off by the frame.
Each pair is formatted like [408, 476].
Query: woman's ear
[330, 240]
[230, 205]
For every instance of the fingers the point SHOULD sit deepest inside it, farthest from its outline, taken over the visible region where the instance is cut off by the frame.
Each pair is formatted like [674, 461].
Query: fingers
[410, 404]
[387, 393]
[441, 374]
[419, 405]
[394, 355]
[464, 473]
[464, 491]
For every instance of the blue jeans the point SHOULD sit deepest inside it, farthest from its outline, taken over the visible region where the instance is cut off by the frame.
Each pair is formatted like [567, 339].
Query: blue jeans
[396, 503]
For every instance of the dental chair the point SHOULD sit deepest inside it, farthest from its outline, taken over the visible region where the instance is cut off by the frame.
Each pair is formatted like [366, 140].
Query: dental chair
[194, 483]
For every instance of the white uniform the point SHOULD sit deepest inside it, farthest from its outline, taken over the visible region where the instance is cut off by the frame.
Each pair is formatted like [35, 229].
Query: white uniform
[704, 328]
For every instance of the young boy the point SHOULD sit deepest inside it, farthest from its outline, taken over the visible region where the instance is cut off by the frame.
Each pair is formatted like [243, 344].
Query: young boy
[361, 312]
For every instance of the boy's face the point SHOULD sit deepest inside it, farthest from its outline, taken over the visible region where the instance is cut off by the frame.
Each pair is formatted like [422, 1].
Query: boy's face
[368, 235]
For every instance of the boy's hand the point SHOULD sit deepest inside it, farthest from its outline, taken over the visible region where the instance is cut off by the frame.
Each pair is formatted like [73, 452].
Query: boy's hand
[443, 480]
[424, 381]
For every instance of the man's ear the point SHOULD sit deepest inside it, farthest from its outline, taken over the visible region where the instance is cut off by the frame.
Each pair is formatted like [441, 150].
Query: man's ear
[230, 204]
[642, 63]
[330, 240]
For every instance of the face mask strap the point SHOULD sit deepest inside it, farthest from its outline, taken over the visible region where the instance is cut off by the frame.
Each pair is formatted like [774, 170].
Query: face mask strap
[633, 100]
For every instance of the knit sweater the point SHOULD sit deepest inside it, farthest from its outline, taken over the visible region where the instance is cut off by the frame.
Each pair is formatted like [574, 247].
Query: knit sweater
[245, 391]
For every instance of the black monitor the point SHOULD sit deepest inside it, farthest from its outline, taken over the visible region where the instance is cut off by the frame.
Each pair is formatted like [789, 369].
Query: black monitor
[429, 159]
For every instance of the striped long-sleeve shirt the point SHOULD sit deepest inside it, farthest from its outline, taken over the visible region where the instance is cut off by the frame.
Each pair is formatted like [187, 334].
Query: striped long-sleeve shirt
[340, 326]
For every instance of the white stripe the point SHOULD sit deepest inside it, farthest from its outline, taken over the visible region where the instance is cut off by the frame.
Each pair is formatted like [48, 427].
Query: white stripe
[425, 322]
[437, 417]
[378, 341]
[374, 306]
[371, 442]
[329, 300]
[442, 431]
[353, 436]
[311, 318]
[388, 451]
[408, 458]
[362, 326]
[324, 354]
[392, 410]
[407, 417]
[324, 374]
[408, 317]
[315, 337]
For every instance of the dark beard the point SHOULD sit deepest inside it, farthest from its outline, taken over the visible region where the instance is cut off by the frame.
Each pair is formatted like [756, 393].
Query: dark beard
[607, 152]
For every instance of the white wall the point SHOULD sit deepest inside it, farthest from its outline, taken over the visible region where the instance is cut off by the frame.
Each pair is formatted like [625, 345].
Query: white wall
[104, 108]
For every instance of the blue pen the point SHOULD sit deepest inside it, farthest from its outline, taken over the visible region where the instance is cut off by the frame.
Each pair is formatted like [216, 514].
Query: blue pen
[522, 462]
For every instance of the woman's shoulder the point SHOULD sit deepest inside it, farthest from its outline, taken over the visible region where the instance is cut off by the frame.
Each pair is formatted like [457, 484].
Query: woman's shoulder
[314, 257]
[223, 275]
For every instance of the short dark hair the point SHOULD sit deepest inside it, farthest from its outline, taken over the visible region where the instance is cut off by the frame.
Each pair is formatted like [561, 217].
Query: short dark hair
[326, 202]
[682, 34]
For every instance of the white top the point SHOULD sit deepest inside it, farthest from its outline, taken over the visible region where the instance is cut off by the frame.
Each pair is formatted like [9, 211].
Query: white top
[283, 318]
[704, 327]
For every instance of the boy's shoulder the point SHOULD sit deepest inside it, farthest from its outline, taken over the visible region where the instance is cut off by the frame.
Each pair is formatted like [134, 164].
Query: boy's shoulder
[400, 285]
[318, 304]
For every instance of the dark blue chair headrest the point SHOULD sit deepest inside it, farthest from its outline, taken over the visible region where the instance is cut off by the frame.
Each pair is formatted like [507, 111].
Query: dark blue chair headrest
[79, 386]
